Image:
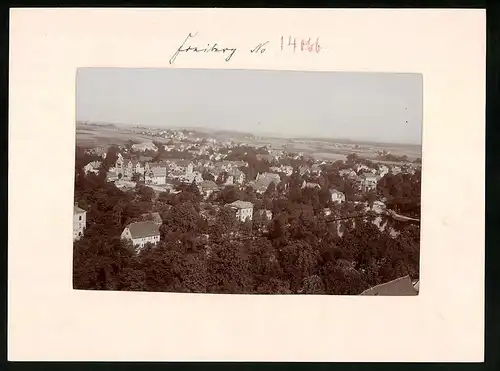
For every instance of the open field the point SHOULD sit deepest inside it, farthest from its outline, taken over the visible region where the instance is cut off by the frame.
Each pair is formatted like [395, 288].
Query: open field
[98, 136]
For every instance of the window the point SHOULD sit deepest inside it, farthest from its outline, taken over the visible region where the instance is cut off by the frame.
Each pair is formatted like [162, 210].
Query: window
[80, 217]
[79, 233]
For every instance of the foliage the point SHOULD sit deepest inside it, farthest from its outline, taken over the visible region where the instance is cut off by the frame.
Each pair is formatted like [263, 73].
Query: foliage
[298, 251]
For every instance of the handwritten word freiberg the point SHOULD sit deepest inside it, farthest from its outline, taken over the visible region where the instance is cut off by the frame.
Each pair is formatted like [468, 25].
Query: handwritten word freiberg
[294, 44]
[207, 49]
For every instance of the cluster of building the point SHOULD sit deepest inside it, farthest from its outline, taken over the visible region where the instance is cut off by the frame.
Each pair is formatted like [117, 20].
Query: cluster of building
[208, 158]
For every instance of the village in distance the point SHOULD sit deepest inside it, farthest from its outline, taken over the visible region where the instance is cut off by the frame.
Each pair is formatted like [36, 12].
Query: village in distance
[194, 211]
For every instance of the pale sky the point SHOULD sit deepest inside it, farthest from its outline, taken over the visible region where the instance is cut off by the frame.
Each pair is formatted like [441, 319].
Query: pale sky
[380, 107]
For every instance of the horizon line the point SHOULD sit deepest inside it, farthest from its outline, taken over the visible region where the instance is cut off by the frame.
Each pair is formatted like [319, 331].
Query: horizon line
[263, 134]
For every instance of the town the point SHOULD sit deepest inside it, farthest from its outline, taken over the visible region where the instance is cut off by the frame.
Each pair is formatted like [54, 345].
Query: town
[183, 213]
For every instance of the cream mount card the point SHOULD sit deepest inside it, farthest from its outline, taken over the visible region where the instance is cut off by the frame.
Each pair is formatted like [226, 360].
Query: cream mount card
[51, 50]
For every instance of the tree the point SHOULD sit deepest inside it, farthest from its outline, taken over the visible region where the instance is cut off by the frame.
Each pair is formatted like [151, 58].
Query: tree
[111, 157]
[271, 189]
[313, 285]
[352, 158]
[206, 175]
[229, 194]
[228, 269]
[370, 197]
[181, 218]
[144, 193]
[225, 222]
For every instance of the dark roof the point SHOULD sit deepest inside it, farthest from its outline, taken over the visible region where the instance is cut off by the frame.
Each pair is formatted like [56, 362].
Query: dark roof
[181, 162]
[333, 190]
[159, 171]
[241, 204]
[143, 229]
[235, 172]
[77, 210]
[259, 185]
[209, 185]
[399, 287]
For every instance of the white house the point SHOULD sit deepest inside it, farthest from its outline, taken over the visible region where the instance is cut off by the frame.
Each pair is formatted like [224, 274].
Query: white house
[119, 165]
[111, 176]
[141, 233]
[131, 167]
[141, 147]
[396, 170]
[192, 177]
[92, 167]
[337, 196]
[157, 175]
[383, 169]
[237, 176]
[304, 170]
[244, 210]
[79, 222]
[265, 214]
[260, 186]
[369, 182]
[268, 178]
[310, 185]
[229, 180]
[360, 167]
[185, 166]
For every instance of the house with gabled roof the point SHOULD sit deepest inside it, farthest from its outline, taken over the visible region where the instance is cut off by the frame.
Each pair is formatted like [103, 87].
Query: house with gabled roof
[236, 175]
[310, 185]
[92, 167]
[244, 210]
[79, 221]
[157, 175]
[142, 233]
[369, 182]
[336, 196]
[145, 146]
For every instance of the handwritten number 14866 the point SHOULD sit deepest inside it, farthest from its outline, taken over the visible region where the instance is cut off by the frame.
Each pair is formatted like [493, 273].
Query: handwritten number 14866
[294, 44]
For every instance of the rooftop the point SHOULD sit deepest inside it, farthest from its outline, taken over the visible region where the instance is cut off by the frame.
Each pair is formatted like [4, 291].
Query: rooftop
[159, 171]
[312, 185]
[208, 184]
[241, 204]
[399, 287]
[143, 229]
[77, 210]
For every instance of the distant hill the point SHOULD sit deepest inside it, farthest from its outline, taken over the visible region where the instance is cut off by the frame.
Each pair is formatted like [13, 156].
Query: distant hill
[240, 135]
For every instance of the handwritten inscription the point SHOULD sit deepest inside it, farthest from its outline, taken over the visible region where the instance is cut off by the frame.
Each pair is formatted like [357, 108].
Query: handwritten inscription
[303, 45]
[261, 48]
[285, 44]
[209, 48]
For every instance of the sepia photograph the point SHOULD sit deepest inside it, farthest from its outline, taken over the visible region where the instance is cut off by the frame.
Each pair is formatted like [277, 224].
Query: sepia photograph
[247, 181]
